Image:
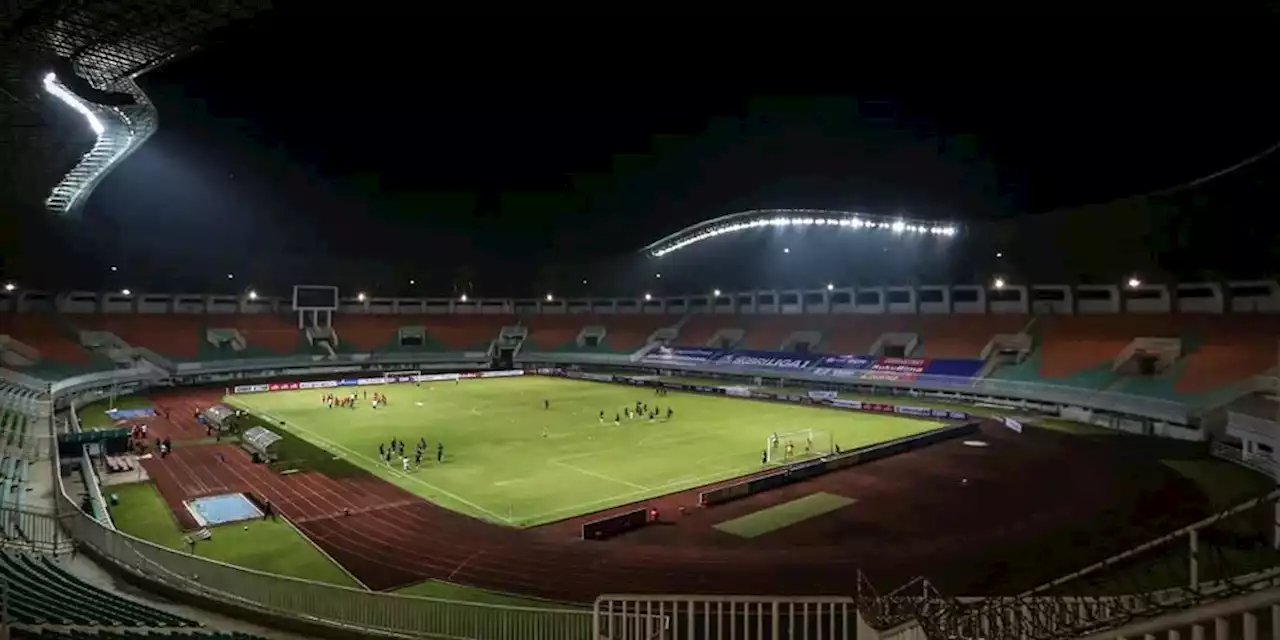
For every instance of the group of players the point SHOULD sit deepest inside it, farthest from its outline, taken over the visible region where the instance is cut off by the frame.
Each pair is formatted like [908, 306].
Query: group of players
[349, 401]
[397, 450]
[641, 409]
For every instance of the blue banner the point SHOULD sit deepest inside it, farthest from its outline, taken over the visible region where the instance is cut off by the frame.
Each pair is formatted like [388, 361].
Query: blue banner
[767, 360]
[843, 366]
[680, 355]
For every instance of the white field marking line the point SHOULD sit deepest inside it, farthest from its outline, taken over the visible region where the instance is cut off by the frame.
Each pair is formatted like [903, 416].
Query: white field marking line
[503, 483]
[463, 564]
[390, 470]
[600, 475]
[727, 474]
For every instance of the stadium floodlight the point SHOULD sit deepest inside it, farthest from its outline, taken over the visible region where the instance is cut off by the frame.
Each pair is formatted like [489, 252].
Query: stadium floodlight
[118, 131]
[549, 298]
[463, 298]
[114, 268]
[830, 286]
[999, 254]
[786, 249]
[9, 286]
[360, 296]
[231, 276]
[716, 293]
[775, 218]
[412, 282]
[1134, 282]
[126, 292]
[647, 297]
[253, 295]
[998, 283]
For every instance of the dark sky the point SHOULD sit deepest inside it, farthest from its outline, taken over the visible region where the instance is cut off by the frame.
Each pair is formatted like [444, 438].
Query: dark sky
[344, 148]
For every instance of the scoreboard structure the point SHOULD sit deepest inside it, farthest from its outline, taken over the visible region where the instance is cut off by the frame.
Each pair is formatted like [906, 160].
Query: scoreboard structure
[315, 305]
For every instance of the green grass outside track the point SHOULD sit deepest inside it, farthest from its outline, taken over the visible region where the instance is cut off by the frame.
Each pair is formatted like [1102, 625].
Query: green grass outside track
[510, 461]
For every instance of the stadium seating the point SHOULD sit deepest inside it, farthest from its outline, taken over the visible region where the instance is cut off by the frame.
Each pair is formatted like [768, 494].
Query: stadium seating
[176, 336]
[264, 334]
[556, 332]
[75, 634]
[60, 354]
[767, 332]
[360, 333]
[628, 333]
[698, 330]
[464, 332]
[41, 593]
[857, 333]
[962, 336]
[1239, 348]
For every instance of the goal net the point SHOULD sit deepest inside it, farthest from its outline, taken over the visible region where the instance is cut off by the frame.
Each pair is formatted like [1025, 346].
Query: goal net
[396, 375]
[793, 446]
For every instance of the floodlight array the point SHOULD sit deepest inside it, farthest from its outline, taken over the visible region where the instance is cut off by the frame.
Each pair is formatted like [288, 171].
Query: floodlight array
[115, 139]
[779, 218]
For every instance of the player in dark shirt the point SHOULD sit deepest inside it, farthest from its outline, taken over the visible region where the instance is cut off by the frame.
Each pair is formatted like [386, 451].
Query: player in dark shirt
[440, 452]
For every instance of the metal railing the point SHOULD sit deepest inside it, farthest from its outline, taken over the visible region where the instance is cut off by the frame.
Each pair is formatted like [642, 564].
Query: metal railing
[317, 602]
[684, 617]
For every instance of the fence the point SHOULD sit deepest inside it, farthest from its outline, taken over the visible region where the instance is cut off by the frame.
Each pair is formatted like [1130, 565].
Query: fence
[318, 602]
[32, 530]
[674, 617]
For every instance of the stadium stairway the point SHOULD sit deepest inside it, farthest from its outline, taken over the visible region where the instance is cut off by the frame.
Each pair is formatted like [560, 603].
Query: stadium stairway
[60, 353]
[627, 333]
[176, 336]
[961, 336]
[699, 329]
[265, 334]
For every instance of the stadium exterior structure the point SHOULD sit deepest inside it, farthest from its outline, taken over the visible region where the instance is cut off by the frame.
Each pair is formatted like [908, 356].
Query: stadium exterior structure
[336, 608]
[764, 218]
[87, 56]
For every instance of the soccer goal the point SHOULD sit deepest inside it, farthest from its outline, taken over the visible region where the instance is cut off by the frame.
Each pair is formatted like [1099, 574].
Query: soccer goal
[395, 375]
[783, 448]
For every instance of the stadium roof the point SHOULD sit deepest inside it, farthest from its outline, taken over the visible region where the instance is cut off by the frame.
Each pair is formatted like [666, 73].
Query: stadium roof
[94, 51]
[764, 218]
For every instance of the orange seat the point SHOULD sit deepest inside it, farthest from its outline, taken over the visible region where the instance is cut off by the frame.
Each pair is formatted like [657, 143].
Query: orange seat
[464, 332]
[276, 333]
[171, 335]
[628, 333]
[368, 332]
[1234, 348]
[1071, 345]
[767, 332]
[43, 334]
[857, 333]
[556, 331]
[700, 329]
[963, 336]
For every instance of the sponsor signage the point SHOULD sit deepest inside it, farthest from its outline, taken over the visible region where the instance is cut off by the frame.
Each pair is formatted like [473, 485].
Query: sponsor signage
[843, 366]
[737, 392]
[1012, 424]
[680, 355]
[823, 395]
[766, 360]
[358, 382]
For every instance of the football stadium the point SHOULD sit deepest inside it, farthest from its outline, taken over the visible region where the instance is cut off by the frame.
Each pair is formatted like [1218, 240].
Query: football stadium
[993, 460]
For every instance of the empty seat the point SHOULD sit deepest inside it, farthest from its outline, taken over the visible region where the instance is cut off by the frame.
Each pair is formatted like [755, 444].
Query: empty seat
[963, 336]
[464, 332]
[556, 332]
[276, 334]
[171, 335]
[628, 333]
[368, 332]
[45, 334]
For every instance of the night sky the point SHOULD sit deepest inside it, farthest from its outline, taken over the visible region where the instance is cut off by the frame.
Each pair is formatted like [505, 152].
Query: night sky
[507, 165]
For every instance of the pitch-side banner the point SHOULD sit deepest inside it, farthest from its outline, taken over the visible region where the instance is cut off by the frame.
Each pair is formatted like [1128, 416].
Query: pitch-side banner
[358, 382]
[680, 355]
[896, 369]
[767, 360]
[1012, 424]
[823, 395]
[843, 366]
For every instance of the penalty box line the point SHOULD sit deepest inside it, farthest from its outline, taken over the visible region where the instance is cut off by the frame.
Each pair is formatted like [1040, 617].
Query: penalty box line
[392, 471]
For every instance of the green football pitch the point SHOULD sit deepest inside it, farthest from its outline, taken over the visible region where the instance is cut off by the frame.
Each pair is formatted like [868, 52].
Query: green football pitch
[509, 460]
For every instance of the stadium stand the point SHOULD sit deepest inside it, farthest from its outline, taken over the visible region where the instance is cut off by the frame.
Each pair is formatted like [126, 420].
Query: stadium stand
[265, 334]
[556, 332]
[464, 332]
[177, 336]
[963, 336]
[699, 330]
[55, 346]
[360, 332]
[767, 332]
[41, 593]
[627, 333]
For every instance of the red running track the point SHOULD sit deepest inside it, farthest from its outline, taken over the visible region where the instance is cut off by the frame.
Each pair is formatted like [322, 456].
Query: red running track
[913, 516]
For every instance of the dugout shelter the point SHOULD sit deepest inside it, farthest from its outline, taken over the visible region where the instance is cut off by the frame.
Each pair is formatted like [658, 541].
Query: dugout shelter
[221, 417]
[261, 442]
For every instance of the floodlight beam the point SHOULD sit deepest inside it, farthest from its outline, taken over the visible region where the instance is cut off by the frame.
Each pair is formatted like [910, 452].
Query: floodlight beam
[773, 218]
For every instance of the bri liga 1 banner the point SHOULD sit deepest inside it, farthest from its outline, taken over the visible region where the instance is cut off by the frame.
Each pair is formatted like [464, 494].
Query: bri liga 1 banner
[364, 382]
